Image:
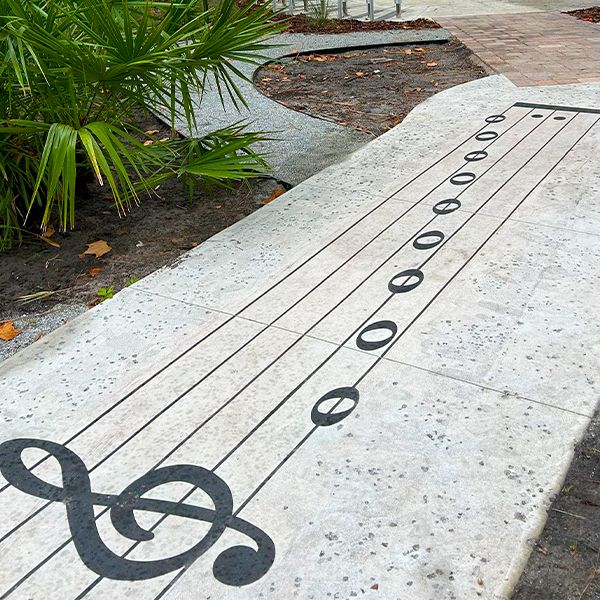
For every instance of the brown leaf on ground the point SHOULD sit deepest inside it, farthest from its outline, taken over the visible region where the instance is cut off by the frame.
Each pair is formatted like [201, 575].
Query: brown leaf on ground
[276, 193]
[319, 57]
[360, 73]
[152, 131]
[8, 331]
[46, 235]
[98, 249]
[95, 271]
[432, 64]
[183, 243]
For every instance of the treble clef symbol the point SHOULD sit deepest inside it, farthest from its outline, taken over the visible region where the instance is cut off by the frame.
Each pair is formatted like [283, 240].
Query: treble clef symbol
[237, 565]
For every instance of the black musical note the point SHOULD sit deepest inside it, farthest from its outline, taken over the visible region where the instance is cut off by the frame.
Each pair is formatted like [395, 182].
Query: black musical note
[237, 565]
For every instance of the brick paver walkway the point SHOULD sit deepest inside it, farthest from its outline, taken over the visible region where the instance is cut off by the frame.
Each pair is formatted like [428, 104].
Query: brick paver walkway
[533, 48]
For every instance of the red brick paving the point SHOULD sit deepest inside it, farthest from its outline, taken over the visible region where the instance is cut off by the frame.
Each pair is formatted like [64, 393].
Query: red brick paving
[533, 48]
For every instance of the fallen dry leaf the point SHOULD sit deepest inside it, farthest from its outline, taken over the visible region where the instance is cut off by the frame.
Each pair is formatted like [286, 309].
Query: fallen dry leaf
[408, 51]
[39, 336]
[95, 271]
[8, 331]
[318, 57]
[98, 249]
[360, 73]
[46, 235]
[49, 232]
[432, 64]
[148, 142]
[152, 131]
[375, 586]
[276, 193]
[183, 243]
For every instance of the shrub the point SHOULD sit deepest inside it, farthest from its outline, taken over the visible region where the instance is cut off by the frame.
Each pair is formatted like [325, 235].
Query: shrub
[72, 74]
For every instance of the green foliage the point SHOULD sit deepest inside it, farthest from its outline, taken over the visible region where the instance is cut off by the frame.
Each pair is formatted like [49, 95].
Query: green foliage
[72, 73]
[319, 11]
[105, 293]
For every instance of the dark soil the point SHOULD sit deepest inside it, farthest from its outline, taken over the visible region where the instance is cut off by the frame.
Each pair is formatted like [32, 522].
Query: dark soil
[592, 14]
[371, 90]
[153, 234]
[304, 24]
[565, 562]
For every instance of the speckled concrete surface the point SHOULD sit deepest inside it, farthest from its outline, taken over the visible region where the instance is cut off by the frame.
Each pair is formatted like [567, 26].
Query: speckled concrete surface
[36, 324]
[371, 387]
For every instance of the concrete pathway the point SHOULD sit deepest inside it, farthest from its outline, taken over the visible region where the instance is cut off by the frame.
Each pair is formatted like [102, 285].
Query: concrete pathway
[369, 388]
[301, 145]
[533, 49]
[433, 9]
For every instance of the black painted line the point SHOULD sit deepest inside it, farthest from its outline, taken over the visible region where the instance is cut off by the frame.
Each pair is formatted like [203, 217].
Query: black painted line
[252, 302]
[253, 338]
[240, 391]
[39, 510]
[232, 316]
[494, 232]
[379, 358]
[276, 408]
[593, 111]
[311, 432]
[189, 436]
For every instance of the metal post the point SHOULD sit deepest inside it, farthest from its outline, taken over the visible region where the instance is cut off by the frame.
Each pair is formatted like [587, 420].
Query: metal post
[340, 9]
[398, 7]
[371, 9]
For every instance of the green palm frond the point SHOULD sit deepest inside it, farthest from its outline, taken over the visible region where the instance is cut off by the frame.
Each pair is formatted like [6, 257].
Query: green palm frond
[73, 71]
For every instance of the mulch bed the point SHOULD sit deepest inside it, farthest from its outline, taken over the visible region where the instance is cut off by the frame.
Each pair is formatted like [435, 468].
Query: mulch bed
[592, 14]
[371, 90]
[153, 234]
[565, 563]
[304, 24]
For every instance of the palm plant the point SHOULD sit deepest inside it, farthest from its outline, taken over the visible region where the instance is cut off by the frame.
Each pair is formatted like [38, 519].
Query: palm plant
[72, 73]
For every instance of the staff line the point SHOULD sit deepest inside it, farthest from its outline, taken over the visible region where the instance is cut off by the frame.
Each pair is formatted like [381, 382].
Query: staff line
[260, 332]
[260, 296]
[182, 571]
[421, 230]
[277, 407]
